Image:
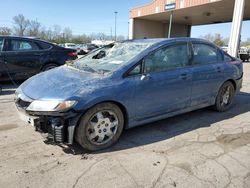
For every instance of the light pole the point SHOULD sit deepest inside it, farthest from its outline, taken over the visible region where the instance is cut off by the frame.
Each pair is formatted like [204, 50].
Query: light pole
[115, 23]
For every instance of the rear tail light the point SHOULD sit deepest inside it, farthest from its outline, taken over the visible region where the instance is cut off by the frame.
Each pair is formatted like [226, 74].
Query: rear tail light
[71, 54]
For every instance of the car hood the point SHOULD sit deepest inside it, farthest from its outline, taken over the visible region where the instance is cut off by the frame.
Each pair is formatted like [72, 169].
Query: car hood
[59, 83]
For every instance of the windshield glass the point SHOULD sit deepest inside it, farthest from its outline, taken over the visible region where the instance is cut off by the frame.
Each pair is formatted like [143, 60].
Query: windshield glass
[111, 57]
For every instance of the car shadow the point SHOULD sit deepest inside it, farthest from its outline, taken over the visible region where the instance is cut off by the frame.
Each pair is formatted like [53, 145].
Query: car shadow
[171, 127]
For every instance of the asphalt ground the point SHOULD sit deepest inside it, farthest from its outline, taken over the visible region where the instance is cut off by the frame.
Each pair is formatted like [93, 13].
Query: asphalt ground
[203, 148]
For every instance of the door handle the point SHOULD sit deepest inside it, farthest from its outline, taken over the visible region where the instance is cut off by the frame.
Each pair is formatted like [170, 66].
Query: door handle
[218, 69]
[184, 76]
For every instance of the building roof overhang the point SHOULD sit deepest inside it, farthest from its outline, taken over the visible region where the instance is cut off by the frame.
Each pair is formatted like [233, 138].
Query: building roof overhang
[209, 13]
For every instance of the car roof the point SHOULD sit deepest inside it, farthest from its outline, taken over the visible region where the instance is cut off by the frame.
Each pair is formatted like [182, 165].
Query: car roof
[165, 41]
[156, 40]
[25, 37]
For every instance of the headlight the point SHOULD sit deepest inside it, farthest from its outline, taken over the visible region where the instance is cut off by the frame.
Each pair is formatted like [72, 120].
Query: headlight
[50, 106]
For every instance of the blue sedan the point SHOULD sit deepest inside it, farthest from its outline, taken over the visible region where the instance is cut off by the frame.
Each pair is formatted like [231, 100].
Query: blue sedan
[128, 84]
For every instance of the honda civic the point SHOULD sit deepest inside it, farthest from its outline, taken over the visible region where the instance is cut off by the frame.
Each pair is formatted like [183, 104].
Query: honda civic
[129, 84]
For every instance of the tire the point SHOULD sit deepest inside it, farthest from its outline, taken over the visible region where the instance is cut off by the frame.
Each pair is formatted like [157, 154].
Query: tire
[224, 100]
[49, 66]
[100, 127]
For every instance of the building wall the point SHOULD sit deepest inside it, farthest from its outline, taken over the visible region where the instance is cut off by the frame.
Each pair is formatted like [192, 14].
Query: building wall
[148, 29]
[178, 30]
[154, 29]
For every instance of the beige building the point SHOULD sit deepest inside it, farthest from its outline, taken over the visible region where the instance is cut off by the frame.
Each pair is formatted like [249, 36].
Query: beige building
[153, 20]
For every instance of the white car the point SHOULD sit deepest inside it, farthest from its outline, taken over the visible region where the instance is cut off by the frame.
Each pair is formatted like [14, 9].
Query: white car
[69, 45]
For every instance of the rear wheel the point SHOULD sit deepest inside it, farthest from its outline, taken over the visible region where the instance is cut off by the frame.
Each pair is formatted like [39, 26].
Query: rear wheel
[100, 127]
[49, 66]
[225, 97]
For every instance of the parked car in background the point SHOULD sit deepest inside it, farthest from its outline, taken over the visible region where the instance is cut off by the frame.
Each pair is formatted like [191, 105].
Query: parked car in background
[133, 83]
[84, 49]
[244, 54]
[22, 57]
[68, 45]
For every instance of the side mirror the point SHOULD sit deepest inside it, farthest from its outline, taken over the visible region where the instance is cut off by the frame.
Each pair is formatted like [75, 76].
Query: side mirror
[145, 77]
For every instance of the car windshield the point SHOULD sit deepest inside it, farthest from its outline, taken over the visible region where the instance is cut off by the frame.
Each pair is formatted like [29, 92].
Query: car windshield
[109, 58]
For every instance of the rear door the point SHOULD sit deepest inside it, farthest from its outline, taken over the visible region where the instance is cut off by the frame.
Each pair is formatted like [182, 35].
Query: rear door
[22, 57]
[208, 68]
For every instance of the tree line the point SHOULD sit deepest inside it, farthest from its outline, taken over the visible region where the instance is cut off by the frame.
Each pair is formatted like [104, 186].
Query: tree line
[56, 34]
[26, 27]
[220, 41]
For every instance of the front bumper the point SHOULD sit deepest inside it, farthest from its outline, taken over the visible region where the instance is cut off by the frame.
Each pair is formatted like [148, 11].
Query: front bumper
[57, 127]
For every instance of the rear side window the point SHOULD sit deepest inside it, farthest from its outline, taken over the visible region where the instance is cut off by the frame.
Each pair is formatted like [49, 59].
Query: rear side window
[205, 54]
[170, 57]
[44, 45]
[1, 44]
[22, 45]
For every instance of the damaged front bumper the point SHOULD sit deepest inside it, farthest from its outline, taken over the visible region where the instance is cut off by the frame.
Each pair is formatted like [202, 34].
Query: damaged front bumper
[58, 127]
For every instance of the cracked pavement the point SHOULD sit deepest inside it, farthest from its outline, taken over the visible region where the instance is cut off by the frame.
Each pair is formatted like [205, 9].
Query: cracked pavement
[197, 149]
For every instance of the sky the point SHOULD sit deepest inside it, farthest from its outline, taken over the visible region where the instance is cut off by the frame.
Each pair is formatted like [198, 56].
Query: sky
[91, 16]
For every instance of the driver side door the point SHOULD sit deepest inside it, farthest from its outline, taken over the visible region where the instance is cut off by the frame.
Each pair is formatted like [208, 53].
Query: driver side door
[165, 85]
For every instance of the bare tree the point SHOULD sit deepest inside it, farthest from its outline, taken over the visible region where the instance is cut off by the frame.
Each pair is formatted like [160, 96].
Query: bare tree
[246, 43]
[23, 26]
[67, 33]
[81, 39]
[34, 28]
[5, 31]
[56, 31]
[216, 39]
[20, 24]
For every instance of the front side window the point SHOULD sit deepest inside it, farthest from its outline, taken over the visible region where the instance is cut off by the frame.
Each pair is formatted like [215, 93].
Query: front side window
[1, 44]
[21, 45]
[167, 58]
[205, 54]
